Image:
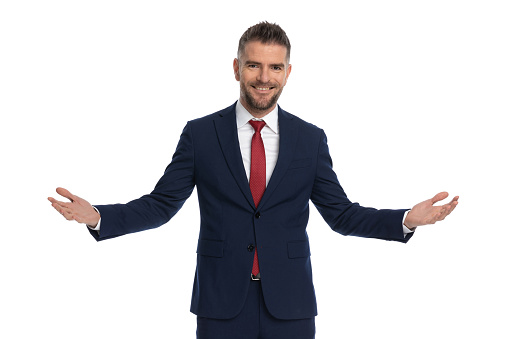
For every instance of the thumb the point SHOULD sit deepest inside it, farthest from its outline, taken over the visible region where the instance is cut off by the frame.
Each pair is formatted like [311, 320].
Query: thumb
[65, 193]
[439, 196]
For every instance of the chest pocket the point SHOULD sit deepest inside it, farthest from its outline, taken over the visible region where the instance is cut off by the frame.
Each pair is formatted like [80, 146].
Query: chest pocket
[300, 163]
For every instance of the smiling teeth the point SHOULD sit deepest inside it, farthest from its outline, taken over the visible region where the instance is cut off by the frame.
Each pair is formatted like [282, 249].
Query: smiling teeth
[263, 88]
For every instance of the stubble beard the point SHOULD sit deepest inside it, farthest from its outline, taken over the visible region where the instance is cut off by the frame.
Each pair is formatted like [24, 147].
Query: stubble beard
[260, 106]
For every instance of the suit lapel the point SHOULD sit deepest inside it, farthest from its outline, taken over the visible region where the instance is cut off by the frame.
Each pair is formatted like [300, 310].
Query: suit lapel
[226, 129]
[287, 142]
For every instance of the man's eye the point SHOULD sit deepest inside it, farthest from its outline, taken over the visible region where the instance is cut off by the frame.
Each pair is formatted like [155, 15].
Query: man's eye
[277, 68]
[252, 66]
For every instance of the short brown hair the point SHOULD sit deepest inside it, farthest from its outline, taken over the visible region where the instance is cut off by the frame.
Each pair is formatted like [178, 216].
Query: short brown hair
[266, 33]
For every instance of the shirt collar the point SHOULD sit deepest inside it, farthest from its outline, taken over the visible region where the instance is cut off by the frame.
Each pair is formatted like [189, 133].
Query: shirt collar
[243, 117]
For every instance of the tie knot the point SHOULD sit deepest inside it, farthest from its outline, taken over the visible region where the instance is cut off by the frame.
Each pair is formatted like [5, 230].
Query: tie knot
[257, 125]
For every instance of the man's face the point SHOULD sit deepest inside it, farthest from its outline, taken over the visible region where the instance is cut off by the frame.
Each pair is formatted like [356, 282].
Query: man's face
[262, 72]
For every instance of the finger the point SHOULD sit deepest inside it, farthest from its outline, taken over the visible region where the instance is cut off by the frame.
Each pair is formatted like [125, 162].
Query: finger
[440, 196]
[61, 209]
[60, 203]
[57, 205]
[66, 194]
[65, 212]
[67, 215]
[53, 200]
[452, 205]
[444, 212]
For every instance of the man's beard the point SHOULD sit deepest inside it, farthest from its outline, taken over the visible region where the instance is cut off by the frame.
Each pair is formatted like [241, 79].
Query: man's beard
[260, 105]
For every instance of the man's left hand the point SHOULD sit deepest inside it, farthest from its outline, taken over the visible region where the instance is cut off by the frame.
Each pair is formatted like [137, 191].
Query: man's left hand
[425, 213]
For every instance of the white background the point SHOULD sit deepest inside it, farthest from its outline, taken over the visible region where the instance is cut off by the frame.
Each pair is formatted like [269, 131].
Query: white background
[413, 96]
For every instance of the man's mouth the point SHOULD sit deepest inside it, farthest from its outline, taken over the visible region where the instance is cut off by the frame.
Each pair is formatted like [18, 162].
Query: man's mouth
[263, 88]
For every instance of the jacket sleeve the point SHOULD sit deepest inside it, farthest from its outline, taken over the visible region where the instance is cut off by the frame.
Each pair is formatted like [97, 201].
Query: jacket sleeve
[346, 217]
[157, 208]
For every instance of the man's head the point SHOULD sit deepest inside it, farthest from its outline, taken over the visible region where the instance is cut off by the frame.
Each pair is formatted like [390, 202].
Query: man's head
[262, 67]
[265, 33]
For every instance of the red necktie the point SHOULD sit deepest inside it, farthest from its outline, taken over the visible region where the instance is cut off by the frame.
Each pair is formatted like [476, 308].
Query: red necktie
[257, 177]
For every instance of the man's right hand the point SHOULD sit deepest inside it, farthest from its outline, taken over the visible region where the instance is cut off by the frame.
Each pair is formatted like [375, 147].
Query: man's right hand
[78, 209]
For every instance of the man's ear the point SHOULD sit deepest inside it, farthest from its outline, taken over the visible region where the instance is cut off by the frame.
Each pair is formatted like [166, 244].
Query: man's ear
[236, 69]
[288, 71]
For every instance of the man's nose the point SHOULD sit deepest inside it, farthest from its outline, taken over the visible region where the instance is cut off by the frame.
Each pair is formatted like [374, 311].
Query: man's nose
[263, 75]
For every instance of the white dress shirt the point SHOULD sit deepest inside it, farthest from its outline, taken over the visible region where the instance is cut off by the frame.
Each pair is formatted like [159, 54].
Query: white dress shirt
[270, 137]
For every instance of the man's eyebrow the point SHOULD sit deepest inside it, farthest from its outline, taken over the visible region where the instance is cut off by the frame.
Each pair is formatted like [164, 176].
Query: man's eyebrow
[282, 65]
[249, 62]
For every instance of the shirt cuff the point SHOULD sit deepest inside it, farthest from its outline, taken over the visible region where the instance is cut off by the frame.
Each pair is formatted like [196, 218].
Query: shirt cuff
[98, 227]
[406, 230]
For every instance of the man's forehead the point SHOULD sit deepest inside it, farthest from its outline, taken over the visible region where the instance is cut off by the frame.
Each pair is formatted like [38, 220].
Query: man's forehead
[257, 49]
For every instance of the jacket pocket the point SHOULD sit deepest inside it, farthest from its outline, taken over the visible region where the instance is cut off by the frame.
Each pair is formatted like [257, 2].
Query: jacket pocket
[298, 249]
[299, 163]
[210, 248]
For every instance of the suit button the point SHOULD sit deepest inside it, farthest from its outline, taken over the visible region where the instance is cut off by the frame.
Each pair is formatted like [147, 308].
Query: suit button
[251, 248]
[258, 215]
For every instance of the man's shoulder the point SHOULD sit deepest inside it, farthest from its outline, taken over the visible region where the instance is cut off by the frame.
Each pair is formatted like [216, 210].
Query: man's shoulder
[213, 116]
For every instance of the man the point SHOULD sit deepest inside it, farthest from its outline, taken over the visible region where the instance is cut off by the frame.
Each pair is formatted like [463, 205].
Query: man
[255, 168]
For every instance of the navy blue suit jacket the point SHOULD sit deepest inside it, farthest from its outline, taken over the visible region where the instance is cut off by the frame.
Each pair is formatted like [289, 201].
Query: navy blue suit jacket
[208, 157]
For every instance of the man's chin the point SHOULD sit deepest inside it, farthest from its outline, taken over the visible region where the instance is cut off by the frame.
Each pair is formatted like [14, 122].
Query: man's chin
[261, 105]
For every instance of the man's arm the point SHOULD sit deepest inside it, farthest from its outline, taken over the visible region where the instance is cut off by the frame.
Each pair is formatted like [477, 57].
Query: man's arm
[150, 211]
[350, 218]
